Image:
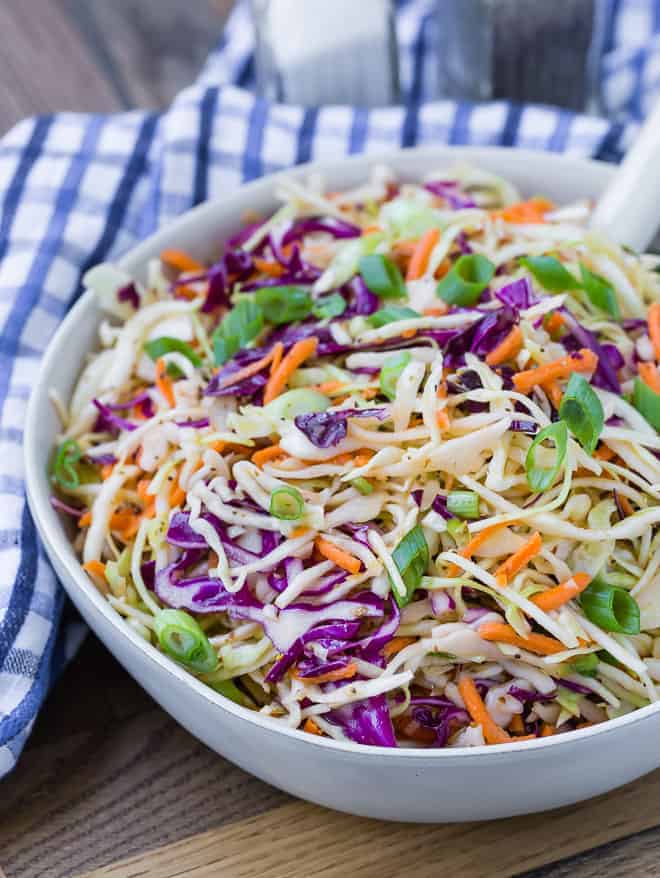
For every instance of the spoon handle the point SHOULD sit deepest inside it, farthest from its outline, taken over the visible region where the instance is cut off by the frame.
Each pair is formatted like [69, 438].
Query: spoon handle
[629, 209]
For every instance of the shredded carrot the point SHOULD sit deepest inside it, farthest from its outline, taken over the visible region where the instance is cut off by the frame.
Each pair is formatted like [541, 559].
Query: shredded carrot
[396, 644]
[626, 505]
[298, 532]
[654, 327]
[519, 559]
[503, 633]
[106, 470]
[438, 311]
[648, 372]
[126, 523]
[301, 351]
[442, 270]
[330, 386]
[369, 393]
[311, 728]
[493, 734]
[547, 729]
[177, 495]
[218, 446]
[507, 349]
[363, 458]
[163, 383]
[338, 556]
[265, 266]
[442, 390]
[96, 568]
[556, 597]
[442, 419]
[554, 393]
[265, 454]
[370, 230]
[555, 323]
[180, 260]
[409, 333]
[523, 212]
[517, 725]
[604, 452]
[476, 542]
[449, 481]
[253, 368]
[420, 257]
[183, 291]
[583, 360]
[340, 674]
[85, 519]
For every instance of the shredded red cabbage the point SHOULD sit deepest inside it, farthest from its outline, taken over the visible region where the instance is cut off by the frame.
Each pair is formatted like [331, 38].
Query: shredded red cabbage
[109, 421]
[325, 429]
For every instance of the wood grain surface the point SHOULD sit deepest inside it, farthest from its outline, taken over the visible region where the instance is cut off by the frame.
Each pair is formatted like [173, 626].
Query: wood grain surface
[109, 784]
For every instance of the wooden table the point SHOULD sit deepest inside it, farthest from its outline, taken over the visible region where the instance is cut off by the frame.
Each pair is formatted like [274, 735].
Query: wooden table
[109, 785]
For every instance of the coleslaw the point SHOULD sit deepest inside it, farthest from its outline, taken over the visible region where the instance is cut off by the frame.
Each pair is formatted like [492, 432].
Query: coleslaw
[388, 470]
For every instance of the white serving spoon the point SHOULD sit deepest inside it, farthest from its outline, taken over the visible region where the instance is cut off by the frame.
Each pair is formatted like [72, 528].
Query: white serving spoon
[629, 209]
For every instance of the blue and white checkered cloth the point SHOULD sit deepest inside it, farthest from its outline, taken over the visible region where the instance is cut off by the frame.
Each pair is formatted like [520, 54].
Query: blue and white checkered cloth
[77, 189]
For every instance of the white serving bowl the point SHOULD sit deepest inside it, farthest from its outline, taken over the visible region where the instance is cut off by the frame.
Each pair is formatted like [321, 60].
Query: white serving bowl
[402, 784]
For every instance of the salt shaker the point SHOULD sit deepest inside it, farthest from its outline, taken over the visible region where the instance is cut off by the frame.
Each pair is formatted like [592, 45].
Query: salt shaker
[313, 52]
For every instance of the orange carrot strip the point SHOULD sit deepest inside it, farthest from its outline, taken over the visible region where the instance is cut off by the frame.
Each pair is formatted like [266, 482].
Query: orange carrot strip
[648, 372]
[163, 383]
[274, 269]
[654, 327]
[106, 470]
[369, 393]
[547, 729]
[554, 323]
[340, 674]
[507, 349]
[531, 211]
[311, 728]
[181, 260]
[517, 725]
[604, 452]
[265, 454]
[338, 556]
[420, 258]
[438, 311]
[409, 333]
[519, 559]
[396, 644]
[493, 734]
[503, 633]
[582, 361]
[301, 351]
[177, 495]
[369, 230]
[85, 519]
[442, 419]
[554, 393]
[96, 568]
[556, 597]
[253, 368]
[329, 386]
[299, 531]
[470, 548]
[626, 505]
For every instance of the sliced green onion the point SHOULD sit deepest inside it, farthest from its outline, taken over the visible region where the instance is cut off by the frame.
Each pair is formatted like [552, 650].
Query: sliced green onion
[284, 304]
[600, 291]
[287, 504]
[326, 307]
[647, 402]
[363, 485]
[468, 278]
[542, 478]
[296, 402]
[391, 314]
[382, 276]
[582, 411]
[550, 273]
[411, 557]
[611, 608]
[585, 664]
[241, 326]
[463, 504]
[181, 637]
[231, 691]
[456, 528]
[64, 466]
[158, 347]
[392, 367]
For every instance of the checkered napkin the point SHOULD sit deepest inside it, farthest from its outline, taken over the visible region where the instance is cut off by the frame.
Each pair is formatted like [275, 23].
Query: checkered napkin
[77, 189]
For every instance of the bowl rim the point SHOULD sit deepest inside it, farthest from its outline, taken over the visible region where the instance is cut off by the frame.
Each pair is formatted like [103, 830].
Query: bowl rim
[58, 545]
